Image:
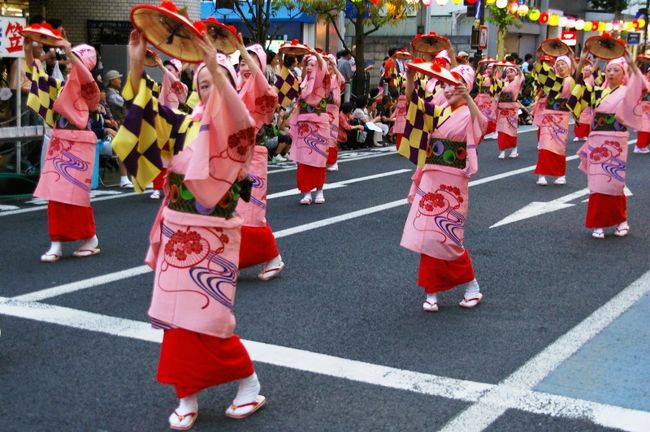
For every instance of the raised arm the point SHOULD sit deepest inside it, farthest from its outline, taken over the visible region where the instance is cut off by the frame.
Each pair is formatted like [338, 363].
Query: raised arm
[137, 52]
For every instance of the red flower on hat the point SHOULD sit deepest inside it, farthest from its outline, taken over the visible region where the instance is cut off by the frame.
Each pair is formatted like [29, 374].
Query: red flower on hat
[435, 66]
[212, 20]
[417, 60]
[199, 25]
[169, 5]
[456, 75]
[294, 41]
[35, 26]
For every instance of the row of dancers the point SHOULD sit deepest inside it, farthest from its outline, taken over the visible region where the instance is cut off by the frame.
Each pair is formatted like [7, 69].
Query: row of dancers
[212, 221]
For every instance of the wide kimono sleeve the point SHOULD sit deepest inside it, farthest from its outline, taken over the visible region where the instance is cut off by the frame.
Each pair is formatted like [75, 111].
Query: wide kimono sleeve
[43, 92]
[219, 155]
[151, 132]
[421, 119]
[260, 99]
[582, 96]
[173, 91]
[496, 86]
[629, 112]
[547, 80]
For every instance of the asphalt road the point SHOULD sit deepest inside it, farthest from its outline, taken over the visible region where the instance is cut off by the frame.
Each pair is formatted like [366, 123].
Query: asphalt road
[348, 291]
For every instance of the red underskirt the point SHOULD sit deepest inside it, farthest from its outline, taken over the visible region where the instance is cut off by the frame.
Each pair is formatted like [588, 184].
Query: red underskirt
[398, 141]
[159, 181]
[437, 275]
[491, 127]
[581, 130]
[68, 222]
[193, 361]
[642, 139]
[257, 246]
[605, 210]
[309, 177]
[550, 164]
[332, 155]
[506, 141]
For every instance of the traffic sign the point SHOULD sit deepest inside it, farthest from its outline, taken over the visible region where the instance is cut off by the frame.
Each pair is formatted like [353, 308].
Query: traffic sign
[633, 38]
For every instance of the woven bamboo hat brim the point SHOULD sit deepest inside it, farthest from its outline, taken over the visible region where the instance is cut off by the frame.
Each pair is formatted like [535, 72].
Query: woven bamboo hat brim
[42, 33]
[223, 37]
[168, 31]
[554, 47]
[150, 59]
[605, 47]
[435, 70]
[294, 48]
[430, 43]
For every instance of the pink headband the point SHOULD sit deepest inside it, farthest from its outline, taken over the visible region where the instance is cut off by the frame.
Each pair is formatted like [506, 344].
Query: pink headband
[566, 60]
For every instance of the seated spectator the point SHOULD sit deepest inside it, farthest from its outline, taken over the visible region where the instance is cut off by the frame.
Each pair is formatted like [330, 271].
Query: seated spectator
[115, 100]
[347, 137]
[385, 113]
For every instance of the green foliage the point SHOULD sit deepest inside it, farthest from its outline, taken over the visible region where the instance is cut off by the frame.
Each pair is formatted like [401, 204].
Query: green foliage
[501, 17]
[616, 6]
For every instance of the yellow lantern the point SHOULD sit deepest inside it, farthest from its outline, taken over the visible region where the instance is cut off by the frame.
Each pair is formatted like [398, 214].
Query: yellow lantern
[587, 26]
[533, 15]
[490, 2]
[553, 20]
[641, 22]
[456, 1]
[602, 26]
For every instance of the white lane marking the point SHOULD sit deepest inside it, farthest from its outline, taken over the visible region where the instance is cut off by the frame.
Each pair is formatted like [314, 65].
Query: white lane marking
[491, 405]
[6, 207]
[538, 208]
[83, 284]
[42, 207]
[387, 151]
[352, 370]
[92, 282]
[340, 184]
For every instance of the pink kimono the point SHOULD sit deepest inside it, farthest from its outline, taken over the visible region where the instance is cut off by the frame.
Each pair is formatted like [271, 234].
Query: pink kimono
[310, 128]
[603, 157]
[486, 103]
[399, 115]
[333, 106]
[439, 198]
[173, 92]
[257, 240]
[643, 133]
[554, 127]
[508, 113]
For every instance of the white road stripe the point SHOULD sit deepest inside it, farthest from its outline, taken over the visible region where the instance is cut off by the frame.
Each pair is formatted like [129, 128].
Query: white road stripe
[342, 160]
[341, 183]
[493, 404]
[513, 397]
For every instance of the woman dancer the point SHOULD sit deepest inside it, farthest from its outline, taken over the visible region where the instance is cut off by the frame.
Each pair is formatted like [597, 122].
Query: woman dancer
[643, 133]
[604, 156]
[258, 243]
[65, 178]
[557, 84]
[582, 126]
[194, 243]
[439, 193]
[485, 99]
[333, 104]
[310, 129]
[507, 110]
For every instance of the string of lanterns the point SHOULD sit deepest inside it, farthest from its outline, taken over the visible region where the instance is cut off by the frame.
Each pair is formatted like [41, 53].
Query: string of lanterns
[551, 19]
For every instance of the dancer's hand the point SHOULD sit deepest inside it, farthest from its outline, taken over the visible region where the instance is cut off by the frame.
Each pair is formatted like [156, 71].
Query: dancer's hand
[137, 48]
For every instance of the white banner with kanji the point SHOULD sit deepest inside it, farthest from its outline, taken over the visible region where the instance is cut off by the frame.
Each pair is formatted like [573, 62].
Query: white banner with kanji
[11, 42]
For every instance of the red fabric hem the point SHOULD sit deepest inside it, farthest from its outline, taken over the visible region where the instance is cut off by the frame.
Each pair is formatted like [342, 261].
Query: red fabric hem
[257, 246]
[491, 127]
[69, 222]
[398, 141]
[332, 155]
[309, 177]
[506, 141]
[193, 361]
[437, 275]
[550, 164]
[159, 181]
[581, 130]
[642, 139]
[605, 210]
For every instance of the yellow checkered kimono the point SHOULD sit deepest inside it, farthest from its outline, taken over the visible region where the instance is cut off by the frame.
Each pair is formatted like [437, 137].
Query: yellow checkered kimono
[287, 86]
[548, 81]
[151, 132]
[422, 118]
[43, 93]
[585, 95]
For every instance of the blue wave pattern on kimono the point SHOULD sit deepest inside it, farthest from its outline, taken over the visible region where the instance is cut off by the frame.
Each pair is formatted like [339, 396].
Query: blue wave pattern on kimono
[210, 280]
[73, 163]
[614, 169]
[450, 224]
[313, 141]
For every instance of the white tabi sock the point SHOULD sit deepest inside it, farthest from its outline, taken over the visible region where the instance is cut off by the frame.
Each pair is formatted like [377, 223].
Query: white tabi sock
[275, 262]
[471, 289]
[248, 390]
[56, 248]
[91, 243]
[188, 404]
[432, 298]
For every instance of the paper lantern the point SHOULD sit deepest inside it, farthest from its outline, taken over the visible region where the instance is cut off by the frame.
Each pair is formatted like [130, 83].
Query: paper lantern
[502, 3]
[641, 22]
[580, 24]
[627, 26]
[533, 15]
[617, 26]
[512, 8]
[456, 1]
[442, 2]
[426, 2]
[553, 20]
[602, 26]
[609, 27]
[523, 10]
[563, 22]
[490, 2]
[471, 1]
[543, 18]
[594, 26]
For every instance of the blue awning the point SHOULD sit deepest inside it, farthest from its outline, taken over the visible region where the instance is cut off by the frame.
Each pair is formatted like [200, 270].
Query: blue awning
[229, 16]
